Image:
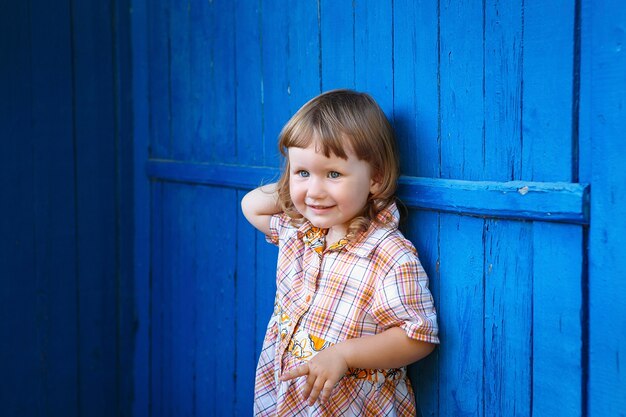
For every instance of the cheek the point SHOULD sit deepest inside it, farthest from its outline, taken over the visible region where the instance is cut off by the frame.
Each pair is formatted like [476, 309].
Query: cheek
[296, 191]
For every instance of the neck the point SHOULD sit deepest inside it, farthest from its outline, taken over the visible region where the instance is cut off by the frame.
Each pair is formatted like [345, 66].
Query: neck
[335, 234]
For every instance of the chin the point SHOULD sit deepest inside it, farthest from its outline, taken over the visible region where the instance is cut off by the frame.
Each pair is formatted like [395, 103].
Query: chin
[320, 224]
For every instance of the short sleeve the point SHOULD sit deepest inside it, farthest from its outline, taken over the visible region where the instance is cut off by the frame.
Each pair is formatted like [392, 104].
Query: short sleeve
[278, 225]
[403, 299]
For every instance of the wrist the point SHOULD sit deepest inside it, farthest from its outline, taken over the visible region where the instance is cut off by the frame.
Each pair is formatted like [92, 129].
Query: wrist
[345, 351]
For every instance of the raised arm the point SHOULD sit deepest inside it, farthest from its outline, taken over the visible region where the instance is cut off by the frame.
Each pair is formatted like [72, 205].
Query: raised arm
[259, 205]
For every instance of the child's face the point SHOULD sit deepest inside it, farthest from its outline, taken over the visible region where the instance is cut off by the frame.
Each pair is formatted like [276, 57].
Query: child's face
[328, 191]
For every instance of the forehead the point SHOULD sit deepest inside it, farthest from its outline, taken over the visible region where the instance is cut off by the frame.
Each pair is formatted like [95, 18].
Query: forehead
[311, 156]
[314, 153]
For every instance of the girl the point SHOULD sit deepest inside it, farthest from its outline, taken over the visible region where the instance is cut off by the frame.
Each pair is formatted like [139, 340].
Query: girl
[352, 304]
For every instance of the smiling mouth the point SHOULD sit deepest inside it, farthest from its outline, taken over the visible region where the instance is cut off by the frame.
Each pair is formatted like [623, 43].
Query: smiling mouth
[314, 207]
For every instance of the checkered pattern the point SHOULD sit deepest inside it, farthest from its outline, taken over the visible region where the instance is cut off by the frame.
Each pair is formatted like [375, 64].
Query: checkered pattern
[349, 290]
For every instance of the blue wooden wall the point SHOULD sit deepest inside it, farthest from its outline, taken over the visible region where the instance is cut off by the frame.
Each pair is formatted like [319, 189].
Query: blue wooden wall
[132, 285]
[66, 288]
[493, 105]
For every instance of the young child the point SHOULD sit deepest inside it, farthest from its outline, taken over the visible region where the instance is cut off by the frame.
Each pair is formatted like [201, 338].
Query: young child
[352, 304]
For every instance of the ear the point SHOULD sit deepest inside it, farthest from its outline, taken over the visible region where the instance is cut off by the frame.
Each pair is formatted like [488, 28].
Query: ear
[375, 185]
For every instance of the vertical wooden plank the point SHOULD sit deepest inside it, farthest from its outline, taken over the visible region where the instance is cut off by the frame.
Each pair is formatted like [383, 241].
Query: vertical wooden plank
[547, 145]
[249, 84]
[557, 311]
[157, 306]
[503, 70]
[416, 126]
[200, 108]
[159, 50]
[461, 89]
[585, 65]
[223, 266]
[198, 360]
[213, 250]
[141, 382]
[54, 209]
[461, 317]
[415, 85]
[303, 54]
[166, 309]
[508, 318]
[126, 324]
[461, 313]
[21, 341]
[222, 87]
[181, 109]
[245, 304]
[373, 55]
[604, 26]
[547, 74]
[275, 77]
[178, 235]
[209, 274]
[337, 44]
[96, 210]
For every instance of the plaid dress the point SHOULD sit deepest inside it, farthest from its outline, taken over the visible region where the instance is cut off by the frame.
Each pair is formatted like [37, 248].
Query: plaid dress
[327, 295]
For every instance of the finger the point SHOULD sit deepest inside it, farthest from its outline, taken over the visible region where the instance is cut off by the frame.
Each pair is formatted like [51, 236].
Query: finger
[308, 386]
[326, 391]
[297, 372]
[315, 392]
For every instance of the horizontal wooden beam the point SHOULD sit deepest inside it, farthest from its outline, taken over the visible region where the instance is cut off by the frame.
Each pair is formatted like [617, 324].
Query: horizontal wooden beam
[543, 201]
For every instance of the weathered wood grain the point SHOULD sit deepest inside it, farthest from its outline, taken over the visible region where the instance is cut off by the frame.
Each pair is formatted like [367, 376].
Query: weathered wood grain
[221, 115]
[179, 62]
[461, 90]
[416, 124]
[558, 272]
[549, 110]
[159, 54]
[416, 90]
[462, 121]
[373, 51]
[508, 336]
[275, 87]
[461, 316]
[603, 36]
[249, 84]
[337, 44]
[502, 84]
[141, 216]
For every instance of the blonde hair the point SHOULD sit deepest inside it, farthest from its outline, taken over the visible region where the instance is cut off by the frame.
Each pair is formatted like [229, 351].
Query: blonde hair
[338, 120]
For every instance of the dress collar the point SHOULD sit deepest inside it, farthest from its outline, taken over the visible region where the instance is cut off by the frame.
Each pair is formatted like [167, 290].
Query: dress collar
[362, 245]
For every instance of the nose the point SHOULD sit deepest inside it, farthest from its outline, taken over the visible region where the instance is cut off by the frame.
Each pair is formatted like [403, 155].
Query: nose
[315, 190]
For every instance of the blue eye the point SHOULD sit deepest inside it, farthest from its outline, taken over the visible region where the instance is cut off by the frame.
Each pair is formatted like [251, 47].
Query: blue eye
[334, 174]
[303, 174]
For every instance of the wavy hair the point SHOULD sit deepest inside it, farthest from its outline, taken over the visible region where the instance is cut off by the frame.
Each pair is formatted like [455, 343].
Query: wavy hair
[338, 120]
